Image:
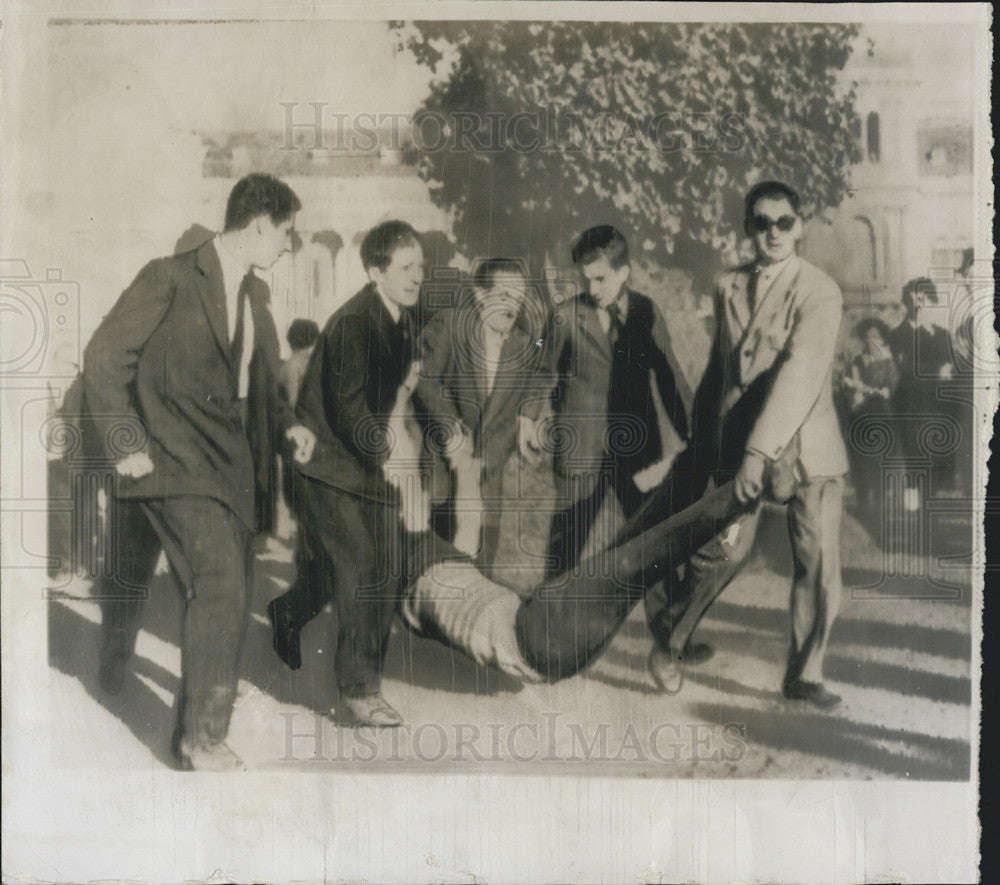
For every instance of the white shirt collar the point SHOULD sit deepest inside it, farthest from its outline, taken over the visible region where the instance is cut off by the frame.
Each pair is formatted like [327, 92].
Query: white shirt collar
[395, 311]
[232, 271]
[771, 271]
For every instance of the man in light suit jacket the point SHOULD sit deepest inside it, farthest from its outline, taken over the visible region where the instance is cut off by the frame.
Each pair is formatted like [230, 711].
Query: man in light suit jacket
[483, 385]
[180, 381]
[767, 388]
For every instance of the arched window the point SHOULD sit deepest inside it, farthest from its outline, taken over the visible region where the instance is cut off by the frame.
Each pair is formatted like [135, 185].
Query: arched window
[874, 138]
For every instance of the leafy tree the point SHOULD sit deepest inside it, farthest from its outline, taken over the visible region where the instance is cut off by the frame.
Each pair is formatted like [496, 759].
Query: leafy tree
[535, 130]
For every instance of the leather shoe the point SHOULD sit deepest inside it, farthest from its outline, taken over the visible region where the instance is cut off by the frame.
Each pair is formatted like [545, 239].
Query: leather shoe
[666, 671]
[696, 653]
[285, 637]
[207, 757]
[372, 709]
[813, 692]
[111, 672]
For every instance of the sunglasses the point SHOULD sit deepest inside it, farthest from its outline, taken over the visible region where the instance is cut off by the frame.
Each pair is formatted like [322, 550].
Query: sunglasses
[762, 224]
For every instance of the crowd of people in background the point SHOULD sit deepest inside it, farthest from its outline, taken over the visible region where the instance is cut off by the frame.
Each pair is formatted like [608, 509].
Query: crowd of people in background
[902, 378]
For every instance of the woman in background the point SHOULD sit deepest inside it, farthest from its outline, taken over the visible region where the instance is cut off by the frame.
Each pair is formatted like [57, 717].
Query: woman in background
[872, 380]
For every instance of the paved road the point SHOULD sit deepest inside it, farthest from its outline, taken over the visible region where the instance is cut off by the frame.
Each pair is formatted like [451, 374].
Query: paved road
[899, 656]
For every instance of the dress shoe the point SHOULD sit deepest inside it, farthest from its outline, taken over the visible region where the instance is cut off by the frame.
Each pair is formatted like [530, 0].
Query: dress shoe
[111, 672]
[372, 709]
[813, 692]
[207, 757]
[696, 653]
[285, 637]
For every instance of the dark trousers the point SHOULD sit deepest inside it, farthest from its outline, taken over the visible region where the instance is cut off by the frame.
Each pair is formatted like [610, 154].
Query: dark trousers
[570, 619]
[211, 559]
[585, 493]
[353, 555]
[814, 516]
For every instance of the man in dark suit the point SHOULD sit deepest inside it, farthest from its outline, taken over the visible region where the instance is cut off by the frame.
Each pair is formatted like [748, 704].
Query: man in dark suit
[181, 383]
[766, 398]
[347, 509]
[610, 427]
[483, 385]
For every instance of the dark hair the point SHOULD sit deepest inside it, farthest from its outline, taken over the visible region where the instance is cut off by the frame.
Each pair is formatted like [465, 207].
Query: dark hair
[920, 285]
[488, 269]
[260, 194]
[302, 333]
[769, 190]
[383, 240]
[862, 328]
[603, 240]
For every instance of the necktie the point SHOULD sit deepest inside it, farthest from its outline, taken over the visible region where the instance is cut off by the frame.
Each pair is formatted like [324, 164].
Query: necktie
[752, 290]
[236, 346]
[406, 335]
[615, 326]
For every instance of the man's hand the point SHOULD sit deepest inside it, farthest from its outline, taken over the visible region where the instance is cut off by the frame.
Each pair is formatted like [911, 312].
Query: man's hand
[135, 466]
[304, 441]
[412, 378]
[457, 444]
[527, 440]
[750, 478]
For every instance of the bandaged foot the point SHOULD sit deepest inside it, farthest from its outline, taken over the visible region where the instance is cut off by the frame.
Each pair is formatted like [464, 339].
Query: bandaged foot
[455, 602]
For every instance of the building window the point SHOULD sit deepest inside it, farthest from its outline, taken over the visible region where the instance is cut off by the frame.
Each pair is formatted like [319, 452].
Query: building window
[874, 138]
[944, 150]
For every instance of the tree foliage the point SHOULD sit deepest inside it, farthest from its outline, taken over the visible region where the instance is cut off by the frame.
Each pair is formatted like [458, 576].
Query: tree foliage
[533, 131]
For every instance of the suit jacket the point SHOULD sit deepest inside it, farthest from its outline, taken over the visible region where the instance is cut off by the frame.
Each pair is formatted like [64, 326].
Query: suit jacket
[453, 388]
[348, 393]
[603, 401]
[158, 375]
[768, 378]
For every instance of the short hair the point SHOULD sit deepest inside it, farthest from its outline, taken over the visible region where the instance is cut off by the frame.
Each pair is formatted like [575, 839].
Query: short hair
[920, 285]
[302, 333]
[260, 194]
[488, 269]
[381, 242]
[770, 190]
[863, 327]
[601, 241]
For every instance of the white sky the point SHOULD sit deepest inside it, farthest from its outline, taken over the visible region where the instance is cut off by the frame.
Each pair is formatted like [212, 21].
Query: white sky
[232, 75]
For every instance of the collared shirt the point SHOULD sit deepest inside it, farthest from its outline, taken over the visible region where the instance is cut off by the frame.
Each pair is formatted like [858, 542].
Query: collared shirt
[493, 342]
[395, 311]
[766, 275]
[232, 278]
[621, 308]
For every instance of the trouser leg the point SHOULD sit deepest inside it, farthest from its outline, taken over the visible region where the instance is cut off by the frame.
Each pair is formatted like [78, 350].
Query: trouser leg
[313, 579]
[814, 516]
[492, 515]
[210, 554]
[363, 545]
[134, 547]
[708, 573]
[366, 614]
[571, 526]
[567, 621]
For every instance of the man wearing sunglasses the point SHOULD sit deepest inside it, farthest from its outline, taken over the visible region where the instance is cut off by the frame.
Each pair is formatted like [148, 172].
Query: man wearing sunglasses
[767, 393]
